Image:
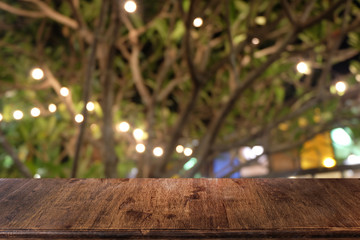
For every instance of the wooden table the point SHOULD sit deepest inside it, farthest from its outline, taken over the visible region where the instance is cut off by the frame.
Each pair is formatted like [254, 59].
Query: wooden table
[179, 208]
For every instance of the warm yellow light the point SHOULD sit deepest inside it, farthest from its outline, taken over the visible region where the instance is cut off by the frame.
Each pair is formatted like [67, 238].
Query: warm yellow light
[140, 148]
[64, 91]
[18, 115]
[303, 68]
[130, 6]
[90, 106]
[1, 117]
[138, 134]
[179, 148]
[329, 162]
[37, 73]
[52, 107]
[35, 112]
[255, 41]
[79, 118]
[123, 127]
[260, 20]
[188, 152]
[357, 77]
[340, 87]
[198, 22]
[158, 151]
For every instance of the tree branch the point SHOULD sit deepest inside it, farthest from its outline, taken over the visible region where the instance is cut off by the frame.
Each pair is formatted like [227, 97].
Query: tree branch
[20, 165]
[87, 85]
[50, 13]
[21, 12]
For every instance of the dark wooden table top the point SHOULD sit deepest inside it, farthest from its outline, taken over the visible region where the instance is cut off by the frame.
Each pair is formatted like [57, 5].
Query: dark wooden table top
[179, 208]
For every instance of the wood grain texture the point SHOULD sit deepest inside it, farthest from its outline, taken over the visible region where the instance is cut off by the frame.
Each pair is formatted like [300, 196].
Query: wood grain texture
[179, 208]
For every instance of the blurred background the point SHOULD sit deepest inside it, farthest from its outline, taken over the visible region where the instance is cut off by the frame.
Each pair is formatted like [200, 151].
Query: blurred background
[179, 88]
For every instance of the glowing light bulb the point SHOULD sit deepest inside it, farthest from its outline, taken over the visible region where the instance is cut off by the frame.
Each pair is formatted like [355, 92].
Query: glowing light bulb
[341, 87]
[258, 150]
[140, 148]
[79, 118]
[18, 115]
[90, 106]
[52, 107]
[64, 91]
[1, 117]
[158, 152]
[35, 112]
[329, 162]
[255, 41]
[198, 22]
[130, 6]
[260, 20]
[37, 73]
[123, 127]
[179, 148]
[303, 68]
[188, 152]
[138, 134]
[357, 77]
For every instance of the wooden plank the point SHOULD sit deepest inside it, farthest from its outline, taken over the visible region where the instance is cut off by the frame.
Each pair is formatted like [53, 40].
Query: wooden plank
[177, 208]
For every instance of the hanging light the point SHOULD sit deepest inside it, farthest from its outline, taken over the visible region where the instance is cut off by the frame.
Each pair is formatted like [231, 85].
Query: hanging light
[188, 152]
[302, 67]
[140, 148]
[52, 108]
[90, 106]
[18, 115]
[130, 6]
[329, 162]
[198, 22]
[341, 87]
[64, 91]
[1, 117]
[255, 41]
[179, 148]
[123, 127]
[158, 152]
[35, 112]
[138, 134]
[79, 118]
[37, 73]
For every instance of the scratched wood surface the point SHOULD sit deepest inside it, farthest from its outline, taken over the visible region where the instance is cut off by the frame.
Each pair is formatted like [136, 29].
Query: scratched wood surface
[179, 208]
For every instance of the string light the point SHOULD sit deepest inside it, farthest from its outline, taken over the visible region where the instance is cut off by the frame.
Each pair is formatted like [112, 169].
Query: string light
[260, 20]
[340, 87]
[37, 73]
[255, 41]
[18, 115]
[64, 91]
[198, 22]
[179, 148]
[1, 117]
[35, 112]
[123, 127]
[140, 148]
[258, 150]
[79, 118]
[357, 77]
[329, 162]
[138, 134]
[90, 106]
[158, 152]
[52, 108]
[188, 152]
[130, 6]
[37, 175]
[303, 68]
